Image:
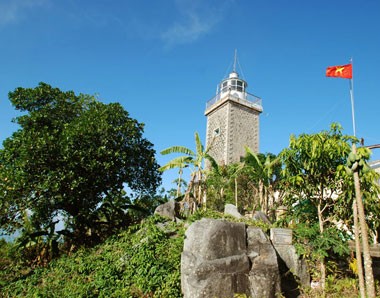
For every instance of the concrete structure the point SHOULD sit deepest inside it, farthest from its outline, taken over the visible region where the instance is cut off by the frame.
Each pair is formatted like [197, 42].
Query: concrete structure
[375, 165]
[232, 120]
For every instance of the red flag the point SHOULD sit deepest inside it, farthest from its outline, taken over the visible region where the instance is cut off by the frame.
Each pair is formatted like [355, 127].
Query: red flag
[340, 71]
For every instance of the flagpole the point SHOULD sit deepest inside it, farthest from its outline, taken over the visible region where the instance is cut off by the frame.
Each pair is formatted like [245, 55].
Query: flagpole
[352, 102]
[357, 224]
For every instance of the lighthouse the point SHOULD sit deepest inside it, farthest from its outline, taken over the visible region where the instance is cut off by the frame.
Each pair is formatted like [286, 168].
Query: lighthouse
[232, 120]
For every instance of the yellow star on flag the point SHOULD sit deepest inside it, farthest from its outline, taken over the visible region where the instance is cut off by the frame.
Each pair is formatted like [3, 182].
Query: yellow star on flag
[340, 71]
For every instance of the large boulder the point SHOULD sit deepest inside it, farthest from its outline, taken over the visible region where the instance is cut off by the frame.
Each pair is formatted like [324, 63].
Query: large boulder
[170, 209]
[214, 253]
[222, 258]
[264, 274]
[293, 269]
[232, 210]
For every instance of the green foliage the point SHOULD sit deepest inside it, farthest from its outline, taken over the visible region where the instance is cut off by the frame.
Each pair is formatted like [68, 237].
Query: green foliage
[209, 213]
[310, 166]
[357, 161]
[265, 170]
[250, 184]
[220, 186]
[317, 184]
[141, 262]
[72, 157]
[335, 288]
[6, 263]
[195, 161]
[313, 245]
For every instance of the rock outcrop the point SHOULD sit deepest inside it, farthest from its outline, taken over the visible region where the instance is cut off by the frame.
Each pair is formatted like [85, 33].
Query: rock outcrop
[221, 258]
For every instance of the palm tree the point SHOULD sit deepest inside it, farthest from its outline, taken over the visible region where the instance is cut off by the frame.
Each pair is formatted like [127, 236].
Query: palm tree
[265, 173]
[180, 163]
[219, 180]
[181, 184]
[194, 160]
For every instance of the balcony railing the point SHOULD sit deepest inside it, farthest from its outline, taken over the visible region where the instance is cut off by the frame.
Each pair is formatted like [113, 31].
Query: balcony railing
[249, 99]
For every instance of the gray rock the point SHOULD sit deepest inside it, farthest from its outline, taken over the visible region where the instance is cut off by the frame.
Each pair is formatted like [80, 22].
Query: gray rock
[293, 263]
[264, 275]
[221, 259]
[213, 239]
[260, 216]
[170, 209]
[281, 236]
[232, 210]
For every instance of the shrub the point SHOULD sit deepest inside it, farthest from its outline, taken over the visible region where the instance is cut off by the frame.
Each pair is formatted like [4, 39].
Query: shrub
[143, 261]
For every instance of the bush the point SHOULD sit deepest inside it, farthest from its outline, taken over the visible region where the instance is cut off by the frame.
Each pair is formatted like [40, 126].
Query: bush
[141, 262]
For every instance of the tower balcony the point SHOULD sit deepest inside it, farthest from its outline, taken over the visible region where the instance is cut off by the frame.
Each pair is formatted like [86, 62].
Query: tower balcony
[243, 98]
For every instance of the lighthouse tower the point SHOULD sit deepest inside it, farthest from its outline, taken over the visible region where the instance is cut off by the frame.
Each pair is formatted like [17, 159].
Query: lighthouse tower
[232, 120]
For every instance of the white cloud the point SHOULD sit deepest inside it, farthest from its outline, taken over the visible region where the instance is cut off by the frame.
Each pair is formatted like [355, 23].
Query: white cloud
[197, 20]
[187, 32]
[13, 10]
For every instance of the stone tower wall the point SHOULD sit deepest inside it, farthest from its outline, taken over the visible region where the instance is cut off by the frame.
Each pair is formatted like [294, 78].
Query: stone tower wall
[243, 128]
[218, 119]
[238, 126]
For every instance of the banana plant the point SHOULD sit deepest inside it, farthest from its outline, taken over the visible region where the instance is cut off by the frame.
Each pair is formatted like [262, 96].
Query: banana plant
[195, 161]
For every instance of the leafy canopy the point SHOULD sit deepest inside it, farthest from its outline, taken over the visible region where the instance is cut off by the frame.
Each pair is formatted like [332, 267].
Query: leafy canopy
[71, 154]
[319, 187]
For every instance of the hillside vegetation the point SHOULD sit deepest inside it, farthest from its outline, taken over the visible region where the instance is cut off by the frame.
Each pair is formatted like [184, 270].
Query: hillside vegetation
[143, 261]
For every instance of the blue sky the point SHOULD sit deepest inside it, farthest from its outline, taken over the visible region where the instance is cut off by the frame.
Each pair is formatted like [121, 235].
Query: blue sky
[163, 59]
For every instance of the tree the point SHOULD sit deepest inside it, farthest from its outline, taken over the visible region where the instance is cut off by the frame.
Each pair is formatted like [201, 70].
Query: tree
[180, 163]
[312, 176]
[194, 160]
[243, 183]
[318, 186]
[181, 186]
[71, 155]
[219, 187]
[265, 169]
[365, 192]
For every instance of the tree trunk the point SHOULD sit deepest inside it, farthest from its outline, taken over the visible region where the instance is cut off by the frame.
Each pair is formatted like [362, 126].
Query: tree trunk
[359, 261]
[323, 265]
[323, 273]
[179, 182]
[261, 196]
[186, 198]
[199, 194]
[266, 200]
[236, 196]
[370, 285]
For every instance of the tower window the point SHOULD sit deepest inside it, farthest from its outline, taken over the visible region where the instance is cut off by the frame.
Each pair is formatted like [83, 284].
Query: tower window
[224, 87]
[237, 85]
[216, 132]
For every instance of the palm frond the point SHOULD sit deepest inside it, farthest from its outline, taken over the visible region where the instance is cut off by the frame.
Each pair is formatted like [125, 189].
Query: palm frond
[249, 152]
[198, 144]
[178, 149]
[178, 162]
[213, 163]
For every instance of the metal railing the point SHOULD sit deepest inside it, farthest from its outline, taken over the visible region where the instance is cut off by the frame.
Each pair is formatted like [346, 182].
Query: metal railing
[249, 99]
